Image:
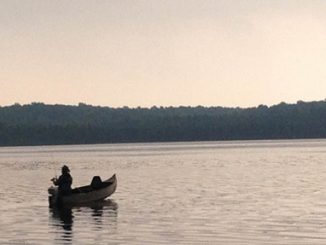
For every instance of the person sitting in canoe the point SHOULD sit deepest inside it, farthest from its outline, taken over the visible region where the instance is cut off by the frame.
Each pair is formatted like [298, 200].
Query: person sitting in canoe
[64, 182]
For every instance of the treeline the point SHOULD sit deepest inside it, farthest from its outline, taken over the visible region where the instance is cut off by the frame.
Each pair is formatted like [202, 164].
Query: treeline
[40, 124]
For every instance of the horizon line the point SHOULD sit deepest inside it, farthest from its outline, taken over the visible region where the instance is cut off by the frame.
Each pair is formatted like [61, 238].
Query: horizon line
[157, 106]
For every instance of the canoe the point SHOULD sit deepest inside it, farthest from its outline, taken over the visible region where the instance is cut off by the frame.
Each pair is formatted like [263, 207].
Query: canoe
[97, 191]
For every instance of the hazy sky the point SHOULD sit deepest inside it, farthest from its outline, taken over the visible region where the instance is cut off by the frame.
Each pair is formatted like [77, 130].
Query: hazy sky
[162, 52]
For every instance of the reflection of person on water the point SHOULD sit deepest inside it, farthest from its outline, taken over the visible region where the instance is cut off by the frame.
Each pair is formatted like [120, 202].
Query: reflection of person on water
[64, 182]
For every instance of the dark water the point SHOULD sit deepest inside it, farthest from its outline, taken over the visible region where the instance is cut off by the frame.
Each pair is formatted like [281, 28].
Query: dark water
[258, 192]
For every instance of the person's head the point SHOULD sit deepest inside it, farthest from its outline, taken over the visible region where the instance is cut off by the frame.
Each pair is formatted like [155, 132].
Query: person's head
[65, 169]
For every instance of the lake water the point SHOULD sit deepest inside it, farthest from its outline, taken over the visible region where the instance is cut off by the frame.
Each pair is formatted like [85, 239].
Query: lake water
[238, 192]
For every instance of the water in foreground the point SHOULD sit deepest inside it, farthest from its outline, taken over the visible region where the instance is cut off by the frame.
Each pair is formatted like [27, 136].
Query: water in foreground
[258, 192]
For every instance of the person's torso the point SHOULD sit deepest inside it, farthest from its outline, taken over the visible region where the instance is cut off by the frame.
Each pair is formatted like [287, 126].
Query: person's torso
[65, 182]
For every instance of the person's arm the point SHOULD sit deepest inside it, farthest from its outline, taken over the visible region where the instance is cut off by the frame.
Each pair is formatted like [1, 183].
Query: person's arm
[56, 181]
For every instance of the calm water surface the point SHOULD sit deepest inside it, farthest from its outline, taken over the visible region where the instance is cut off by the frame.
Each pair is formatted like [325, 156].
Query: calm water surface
[257, 192]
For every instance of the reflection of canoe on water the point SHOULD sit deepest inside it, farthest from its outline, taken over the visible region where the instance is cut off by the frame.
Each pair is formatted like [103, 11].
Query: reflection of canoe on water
[98, 190]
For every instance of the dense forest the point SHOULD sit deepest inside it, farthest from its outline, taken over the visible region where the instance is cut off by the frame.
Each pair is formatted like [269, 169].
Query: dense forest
[41, 124]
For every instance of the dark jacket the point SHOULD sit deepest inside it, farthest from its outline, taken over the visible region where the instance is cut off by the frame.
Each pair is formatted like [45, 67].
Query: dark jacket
[64, 183]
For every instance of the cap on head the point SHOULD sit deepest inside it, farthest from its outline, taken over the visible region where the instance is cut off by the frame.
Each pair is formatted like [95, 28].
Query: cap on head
[65, 169]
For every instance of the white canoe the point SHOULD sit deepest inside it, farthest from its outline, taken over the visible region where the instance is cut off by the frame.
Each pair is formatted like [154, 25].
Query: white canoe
[84, 194]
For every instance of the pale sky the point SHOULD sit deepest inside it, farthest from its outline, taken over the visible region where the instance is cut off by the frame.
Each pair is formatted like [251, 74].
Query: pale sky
[162, 52]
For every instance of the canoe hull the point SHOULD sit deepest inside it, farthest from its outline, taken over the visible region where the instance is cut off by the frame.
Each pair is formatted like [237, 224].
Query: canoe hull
[82, 197]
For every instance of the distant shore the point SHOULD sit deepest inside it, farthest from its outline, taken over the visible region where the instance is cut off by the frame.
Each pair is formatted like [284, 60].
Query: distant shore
[41, 124]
